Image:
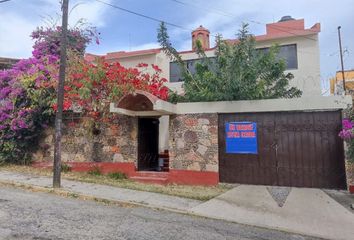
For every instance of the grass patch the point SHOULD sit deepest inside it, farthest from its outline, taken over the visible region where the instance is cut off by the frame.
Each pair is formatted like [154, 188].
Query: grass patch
[117, 175]
[73, 195]
[202, 193]
[65, 168]
[95, 171]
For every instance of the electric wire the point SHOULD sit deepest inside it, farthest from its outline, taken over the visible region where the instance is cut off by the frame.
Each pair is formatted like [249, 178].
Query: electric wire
[143, 15]
[173, 24]
[167, 23]
[223, 13]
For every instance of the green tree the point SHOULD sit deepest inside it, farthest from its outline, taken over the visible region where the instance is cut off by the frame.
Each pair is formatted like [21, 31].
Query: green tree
[238, 72]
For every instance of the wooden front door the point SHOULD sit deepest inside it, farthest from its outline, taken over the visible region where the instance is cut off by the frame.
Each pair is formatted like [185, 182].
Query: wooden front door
[300, 149]
[148, 144]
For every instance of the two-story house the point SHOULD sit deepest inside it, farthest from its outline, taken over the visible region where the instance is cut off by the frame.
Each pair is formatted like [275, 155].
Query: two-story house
[277, 142]
[299, 47]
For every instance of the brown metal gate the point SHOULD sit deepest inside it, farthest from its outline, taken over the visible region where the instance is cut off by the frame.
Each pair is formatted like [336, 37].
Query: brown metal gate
[300, 149]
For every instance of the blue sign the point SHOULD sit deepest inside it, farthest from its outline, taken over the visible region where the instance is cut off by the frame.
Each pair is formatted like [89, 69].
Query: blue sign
[241, 137]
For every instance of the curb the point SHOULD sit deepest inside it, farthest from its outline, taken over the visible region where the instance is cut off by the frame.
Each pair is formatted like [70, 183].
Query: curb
[76, 195]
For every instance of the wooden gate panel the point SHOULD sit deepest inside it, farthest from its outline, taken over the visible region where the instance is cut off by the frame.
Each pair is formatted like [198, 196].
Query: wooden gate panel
[249, 168]
[282, 148]
[300, 149]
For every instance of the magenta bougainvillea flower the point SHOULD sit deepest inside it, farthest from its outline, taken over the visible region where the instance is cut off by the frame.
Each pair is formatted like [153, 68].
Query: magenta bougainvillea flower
[347, 124]
[347, 132]
[27, 90]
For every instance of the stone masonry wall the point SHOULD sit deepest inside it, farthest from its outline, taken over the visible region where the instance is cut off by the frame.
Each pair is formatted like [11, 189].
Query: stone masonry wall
[350, 174]
[115, 141]
[194, 142]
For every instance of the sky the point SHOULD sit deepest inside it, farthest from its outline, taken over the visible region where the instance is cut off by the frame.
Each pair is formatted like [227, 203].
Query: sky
[122, 31]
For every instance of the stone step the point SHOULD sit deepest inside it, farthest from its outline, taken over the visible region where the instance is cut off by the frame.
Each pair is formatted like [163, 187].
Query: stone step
[155, 180]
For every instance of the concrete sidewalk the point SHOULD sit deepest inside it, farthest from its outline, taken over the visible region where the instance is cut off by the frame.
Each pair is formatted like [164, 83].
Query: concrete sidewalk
[149, 199]
[297, 210]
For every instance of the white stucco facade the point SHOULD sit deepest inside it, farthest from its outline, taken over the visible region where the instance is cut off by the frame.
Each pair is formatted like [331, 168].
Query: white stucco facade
[307, 76]
[283, 33]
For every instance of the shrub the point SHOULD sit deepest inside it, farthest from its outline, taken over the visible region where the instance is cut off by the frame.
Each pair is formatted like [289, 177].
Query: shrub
[117, 175]
[65, 168]
[239, 71]
[347, 133]
[28, 92]
[95, 171]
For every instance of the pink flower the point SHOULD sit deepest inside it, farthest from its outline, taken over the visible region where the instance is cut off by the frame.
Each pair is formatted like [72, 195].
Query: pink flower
[347, 124]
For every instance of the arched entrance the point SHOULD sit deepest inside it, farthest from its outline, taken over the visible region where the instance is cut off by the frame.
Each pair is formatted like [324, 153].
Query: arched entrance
[148, 109]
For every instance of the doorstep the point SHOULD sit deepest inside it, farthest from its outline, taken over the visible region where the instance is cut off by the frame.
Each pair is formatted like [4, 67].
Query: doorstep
[151, 177]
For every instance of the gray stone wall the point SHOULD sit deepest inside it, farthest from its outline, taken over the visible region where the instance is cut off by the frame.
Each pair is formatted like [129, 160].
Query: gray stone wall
[350, 173]
[194, 142]
[112, 141]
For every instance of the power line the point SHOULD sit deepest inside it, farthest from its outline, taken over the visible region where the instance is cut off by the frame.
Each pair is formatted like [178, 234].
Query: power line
[256, 22]
[204, 8]
[144, 16]
[167, 23]
[179, 26]
[2, 1]
[223, 13]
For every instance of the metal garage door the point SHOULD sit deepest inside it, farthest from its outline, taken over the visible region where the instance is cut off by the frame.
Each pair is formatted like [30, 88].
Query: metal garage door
[300, 149]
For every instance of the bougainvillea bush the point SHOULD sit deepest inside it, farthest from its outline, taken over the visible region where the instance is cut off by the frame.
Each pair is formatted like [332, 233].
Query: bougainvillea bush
[28, 90]
[24, 108]
[91, 87]
[347, 133]
[47, 40]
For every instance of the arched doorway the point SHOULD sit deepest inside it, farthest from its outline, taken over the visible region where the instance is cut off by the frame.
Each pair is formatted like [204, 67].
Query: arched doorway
[151, 131]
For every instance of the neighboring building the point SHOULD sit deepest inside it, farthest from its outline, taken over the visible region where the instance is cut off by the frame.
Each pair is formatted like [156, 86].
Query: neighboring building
[298, 46]
[6, 63]
[336, 83]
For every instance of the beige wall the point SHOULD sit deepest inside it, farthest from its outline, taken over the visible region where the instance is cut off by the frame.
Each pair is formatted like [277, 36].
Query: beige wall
[306, 77]
[313, 103]
[132, 62]
[178, 87]
[163, 133]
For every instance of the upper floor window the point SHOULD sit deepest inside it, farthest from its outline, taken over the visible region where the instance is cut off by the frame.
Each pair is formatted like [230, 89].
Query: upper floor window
[176, 73]
[286, 52]
[289, 54]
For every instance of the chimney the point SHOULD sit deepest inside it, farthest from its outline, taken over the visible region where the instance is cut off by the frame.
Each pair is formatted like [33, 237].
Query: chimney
[201, 34]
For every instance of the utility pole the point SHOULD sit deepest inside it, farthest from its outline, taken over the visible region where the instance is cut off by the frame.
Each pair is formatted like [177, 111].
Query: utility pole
[59, 113]
[341, 58]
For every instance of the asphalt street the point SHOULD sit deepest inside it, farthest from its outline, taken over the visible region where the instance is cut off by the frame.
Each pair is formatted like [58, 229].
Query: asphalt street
[39, 216]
